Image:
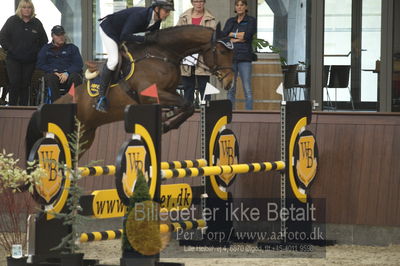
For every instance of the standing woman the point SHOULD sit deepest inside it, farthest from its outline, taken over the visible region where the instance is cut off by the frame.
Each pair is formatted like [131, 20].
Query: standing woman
[196, 75]
[22, 36]
[241, 29]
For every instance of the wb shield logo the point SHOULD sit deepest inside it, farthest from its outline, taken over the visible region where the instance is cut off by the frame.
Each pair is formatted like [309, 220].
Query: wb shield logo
[50, 185]
[226, 153]
[306, 161]
[93, 87]
[135, 160]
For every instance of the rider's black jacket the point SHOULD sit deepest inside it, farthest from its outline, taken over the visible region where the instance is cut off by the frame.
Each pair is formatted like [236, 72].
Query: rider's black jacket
[125, 25]
[22, 40]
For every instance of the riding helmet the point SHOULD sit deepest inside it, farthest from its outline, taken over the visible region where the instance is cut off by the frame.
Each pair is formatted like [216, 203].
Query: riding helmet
[166, 4]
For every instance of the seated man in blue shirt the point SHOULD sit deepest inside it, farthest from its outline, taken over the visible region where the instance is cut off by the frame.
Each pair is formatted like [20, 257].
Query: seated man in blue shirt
[61, 62]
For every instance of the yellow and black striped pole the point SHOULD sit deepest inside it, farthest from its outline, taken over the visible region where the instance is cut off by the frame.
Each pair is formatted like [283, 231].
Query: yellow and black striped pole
[99, 236]
[110, 169]
[186, 225]
[223, 169]
[164, 228]
[184, 164]
[98, 170]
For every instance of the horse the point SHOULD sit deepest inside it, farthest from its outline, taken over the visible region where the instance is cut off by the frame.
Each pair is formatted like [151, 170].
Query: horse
[156, 61]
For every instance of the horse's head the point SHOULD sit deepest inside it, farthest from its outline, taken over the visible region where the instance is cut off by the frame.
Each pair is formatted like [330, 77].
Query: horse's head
[219, 59]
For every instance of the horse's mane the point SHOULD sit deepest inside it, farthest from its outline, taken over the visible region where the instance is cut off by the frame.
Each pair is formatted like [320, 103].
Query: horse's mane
[174, 29]
[167, 34]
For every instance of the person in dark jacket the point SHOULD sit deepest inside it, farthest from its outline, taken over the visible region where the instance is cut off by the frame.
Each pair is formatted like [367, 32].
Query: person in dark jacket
[241, 29]
[125, 25]
[62, 63]
[22, 36]
[4, 83]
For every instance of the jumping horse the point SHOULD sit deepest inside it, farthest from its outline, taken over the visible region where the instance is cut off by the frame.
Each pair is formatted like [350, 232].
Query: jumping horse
[156, 61]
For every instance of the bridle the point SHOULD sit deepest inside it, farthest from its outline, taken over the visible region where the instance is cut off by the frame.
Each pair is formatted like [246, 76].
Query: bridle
[215, 70]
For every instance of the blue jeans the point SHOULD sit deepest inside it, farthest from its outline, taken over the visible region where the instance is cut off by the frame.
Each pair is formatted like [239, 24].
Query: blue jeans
[244, 70]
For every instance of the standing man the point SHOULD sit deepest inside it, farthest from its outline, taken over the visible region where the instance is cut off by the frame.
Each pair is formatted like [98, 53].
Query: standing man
[62, 63]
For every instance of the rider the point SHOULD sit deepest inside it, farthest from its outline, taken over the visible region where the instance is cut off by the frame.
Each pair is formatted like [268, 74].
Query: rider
[124, 26]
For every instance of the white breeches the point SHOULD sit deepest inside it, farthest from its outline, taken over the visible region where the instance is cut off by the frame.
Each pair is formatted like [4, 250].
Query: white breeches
[111, 49]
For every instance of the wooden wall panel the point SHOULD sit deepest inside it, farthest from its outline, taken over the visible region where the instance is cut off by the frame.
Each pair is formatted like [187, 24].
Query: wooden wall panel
[359, 155]
[258, 142]
[383, 195]
[104, 150]
[393, 205]
[13, 125]
[358, 173]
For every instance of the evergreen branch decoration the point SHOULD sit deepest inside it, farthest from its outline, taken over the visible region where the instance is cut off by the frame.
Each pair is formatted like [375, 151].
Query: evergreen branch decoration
[72, 217]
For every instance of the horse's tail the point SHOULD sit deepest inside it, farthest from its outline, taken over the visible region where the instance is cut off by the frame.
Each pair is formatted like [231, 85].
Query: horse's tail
[33, 133]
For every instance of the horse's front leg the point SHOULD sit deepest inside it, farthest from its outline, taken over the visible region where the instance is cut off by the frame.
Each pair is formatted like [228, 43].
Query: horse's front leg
[178, 115]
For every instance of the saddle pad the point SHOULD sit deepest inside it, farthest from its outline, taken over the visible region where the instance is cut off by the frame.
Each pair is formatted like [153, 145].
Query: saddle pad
[93, 85]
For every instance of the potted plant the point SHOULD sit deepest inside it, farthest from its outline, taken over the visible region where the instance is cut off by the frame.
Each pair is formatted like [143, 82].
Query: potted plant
[16, 206]
[259, 43]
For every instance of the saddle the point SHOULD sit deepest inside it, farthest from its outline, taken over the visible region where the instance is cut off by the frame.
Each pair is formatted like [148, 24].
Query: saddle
[124, 70]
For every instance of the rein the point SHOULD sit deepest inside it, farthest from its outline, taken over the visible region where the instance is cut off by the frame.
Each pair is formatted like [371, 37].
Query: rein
[151, 56]
[215, 70]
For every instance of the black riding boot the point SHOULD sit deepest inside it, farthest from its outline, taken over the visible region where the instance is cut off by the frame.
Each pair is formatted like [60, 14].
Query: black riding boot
[102, 103]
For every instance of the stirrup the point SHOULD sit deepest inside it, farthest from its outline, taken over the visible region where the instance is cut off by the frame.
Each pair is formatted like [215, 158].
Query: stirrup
[102, 104]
